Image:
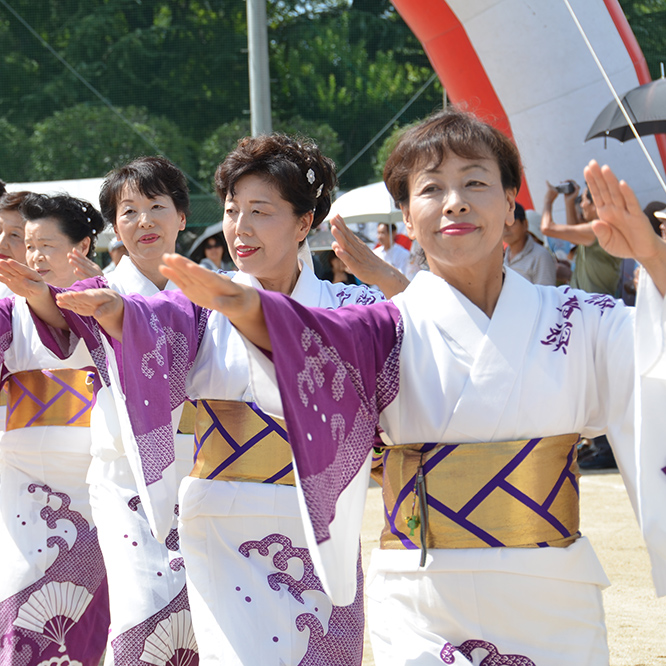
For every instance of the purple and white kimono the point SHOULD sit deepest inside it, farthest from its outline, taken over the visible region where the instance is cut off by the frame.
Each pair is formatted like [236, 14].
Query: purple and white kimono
[147, 587]
[430, 367]
[54, 605]
[254, 595]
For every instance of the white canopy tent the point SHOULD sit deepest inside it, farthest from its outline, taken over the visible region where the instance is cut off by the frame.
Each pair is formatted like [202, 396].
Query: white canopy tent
[81, 188]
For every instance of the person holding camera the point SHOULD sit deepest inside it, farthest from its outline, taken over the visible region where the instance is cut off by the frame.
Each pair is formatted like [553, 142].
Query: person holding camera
[595, 270]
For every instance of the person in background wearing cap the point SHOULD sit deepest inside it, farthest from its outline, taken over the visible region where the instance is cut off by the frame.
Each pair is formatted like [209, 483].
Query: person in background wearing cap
[117, 251]
[524, 254]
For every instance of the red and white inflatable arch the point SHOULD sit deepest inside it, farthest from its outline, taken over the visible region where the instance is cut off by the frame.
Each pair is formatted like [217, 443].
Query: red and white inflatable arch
[524, 67]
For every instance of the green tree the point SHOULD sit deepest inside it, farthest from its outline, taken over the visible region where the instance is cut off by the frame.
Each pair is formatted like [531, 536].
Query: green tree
[86, 141]
[224, 139]
[647, 19]
[14, 153]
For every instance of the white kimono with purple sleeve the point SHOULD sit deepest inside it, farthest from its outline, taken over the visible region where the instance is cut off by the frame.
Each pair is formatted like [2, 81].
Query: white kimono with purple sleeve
[53, 594]
[147, 583]
[431, 367]
[253, 594]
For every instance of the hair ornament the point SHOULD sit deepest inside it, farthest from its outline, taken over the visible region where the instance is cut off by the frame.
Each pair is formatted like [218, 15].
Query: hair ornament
[310, 175]
[319, 191]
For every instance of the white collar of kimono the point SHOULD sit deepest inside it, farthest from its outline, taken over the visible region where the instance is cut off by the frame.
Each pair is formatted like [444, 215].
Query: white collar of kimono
[499, 343]
[306, 291]
[133, 280]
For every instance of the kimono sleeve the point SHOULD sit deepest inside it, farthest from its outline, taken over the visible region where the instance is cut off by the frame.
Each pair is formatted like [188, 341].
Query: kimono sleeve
[62, 343]
[336, 370]
[161, 337]
[650, 424]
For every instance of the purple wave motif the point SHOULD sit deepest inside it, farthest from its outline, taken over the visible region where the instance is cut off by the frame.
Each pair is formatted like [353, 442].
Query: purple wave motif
[172, 542]
[499, 481]
[322, 490]
[87, 403]
[241, 448]
[129, 646]
[493, 657]
[82, 565]
[343, 642]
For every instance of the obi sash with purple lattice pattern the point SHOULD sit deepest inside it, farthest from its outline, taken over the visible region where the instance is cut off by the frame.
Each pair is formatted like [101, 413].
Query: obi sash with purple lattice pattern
[236, 441]
[59, 397]
[521, 494]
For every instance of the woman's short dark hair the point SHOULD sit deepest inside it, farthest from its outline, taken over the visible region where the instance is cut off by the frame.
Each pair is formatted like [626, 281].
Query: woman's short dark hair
[294, 166]
[426, 146]
[12, 200]
[152, 176]
[77, 219]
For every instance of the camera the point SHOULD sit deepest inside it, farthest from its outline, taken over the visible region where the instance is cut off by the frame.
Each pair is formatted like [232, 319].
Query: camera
[567, 187]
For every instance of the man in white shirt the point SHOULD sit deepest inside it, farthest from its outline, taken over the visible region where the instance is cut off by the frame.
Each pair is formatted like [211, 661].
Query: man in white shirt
[390, 252]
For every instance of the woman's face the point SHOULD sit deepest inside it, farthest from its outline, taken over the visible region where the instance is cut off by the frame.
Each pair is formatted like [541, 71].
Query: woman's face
[147, 227]
[458, 211]
[263, 233]
[12, 233]
[46, 250]
[213, 250]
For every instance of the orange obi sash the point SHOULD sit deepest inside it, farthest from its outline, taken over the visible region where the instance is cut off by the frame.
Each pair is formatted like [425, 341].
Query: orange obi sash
[236, 441]
[59, 397]
[521, 494]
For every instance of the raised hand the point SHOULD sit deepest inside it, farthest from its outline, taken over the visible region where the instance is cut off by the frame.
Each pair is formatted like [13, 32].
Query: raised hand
[23, 281]
[239, 303]
[362, 262]
[622, 228]
[104, 305]
[83, 267]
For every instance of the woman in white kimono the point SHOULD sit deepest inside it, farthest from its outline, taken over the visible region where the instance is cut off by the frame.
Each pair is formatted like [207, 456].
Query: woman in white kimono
[146, 201]
[254, 596]
[479, 383]
[53, 591]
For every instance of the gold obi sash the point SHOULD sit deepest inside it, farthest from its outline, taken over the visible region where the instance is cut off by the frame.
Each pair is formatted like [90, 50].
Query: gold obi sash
[59, 397]
[236, 441]
[521, 494]
[188, 418]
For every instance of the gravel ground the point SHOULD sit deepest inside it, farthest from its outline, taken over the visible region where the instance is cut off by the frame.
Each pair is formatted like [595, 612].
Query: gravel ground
[636, 619]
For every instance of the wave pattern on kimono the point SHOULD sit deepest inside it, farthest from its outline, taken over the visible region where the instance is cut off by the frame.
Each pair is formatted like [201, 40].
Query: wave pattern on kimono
[258, 599]
[53, 588]
[147, 582]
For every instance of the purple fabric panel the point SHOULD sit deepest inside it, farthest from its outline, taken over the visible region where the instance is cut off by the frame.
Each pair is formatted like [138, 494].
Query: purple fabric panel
[161, 337]
[336, 370]
[6, 333]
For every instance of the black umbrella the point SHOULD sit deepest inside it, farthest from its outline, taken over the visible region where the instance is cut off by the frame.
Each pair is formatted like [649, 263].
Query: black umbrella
[196, 251]
[645, 105]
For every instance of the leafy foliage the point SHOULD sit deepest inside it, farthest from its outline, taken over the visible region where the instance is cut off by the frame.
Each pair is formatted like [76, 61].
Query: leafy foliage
[86, 141]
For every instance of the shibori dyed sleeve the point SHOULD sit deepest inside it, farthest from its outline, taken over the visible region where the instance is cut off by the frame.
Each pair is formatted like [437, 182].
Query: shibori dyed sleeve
[161, 337]
[61, 343]
[336, 370]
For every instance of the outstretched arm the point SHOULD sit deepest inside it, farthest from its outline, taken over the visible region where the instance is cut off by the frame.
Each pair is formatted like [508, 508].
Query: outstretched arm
[104, 305]
[362, 262]
[623, 229]
[23, 281]
[239, 303]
